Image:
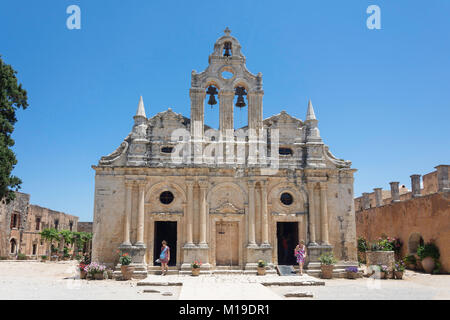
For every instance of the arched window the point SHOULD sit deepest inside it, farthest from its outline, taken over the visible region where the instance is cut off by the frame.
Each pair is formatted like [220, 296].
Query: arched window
[227, 49]
[240, 119]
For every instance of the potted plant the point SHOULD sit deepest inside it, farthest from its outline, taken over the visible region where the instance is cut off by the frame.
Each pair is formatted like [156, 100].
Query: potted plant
[125, 267]
[196, 268]
[44, 258]
[410, 261]
[352, 272]
[95, 270]
[327, 262]
[261, 267]
[428, 254]
[83, 272]
[383, 271]
[362, 248]
[399, 268]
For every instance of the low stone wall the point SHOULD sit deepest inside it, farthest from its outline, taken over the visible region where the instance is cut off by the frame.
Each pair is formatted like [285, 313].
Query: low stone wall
[381, 257]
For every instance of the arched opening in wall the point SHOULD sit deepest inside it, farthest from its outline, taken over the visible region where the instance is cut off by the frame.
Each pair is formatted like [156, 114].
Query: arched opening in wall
[227, 46]
[240, 111]
[212, 110]
[13, 246]
[415, 240]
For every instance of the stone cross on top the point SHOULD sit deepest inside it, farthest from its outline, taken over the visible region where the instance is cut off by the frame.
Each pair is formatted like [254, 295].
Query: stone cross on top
[227, 32]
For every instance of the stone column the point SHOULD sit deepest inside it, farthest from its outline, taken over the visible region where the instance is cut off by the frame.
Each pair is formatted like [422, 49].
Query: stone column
[395, 193]
[127, 218]
[255, 109]
[324, 213]
[203, 188]
[226, 121]
[190, 213]
[312, 215]
[415, 185]
[365, 201]
[141, 215]
[378, 197]
[264, 215]
[442, 177]
[251, 214]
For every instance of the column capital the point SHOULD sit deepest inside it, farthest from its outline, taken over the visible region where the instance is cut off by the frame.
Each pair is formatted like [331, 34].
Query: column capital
[190, 183]
[323, 185]
[203, 184]
[251, 183]
[129, 183]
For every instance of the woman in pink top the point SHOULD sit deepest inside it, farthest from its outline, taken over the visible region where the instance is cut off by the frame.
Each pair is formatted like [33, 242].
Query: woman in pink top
[300, 253]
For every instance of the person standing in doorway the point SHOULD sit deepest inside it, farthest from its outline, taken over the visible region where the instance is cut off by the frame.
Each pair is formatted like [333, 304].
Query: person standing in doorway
[300, 253]
[164, 257]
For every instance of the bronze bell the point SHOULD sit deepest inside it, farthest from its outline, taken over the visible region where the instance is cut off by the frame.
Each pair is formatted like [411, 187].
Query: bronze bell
[212, 100]
[227, 48]
[240, 103]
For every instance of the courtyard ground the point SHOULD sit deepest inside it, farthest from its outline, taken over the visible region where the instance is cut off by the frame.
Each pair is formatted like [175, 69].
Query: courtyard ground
[59, 280]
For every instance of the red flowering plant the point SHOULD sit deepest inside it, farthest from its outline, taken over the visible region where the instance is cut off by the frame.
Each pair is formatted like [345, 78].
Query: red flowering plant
[125, 259]
[81, 266]
[196, 264]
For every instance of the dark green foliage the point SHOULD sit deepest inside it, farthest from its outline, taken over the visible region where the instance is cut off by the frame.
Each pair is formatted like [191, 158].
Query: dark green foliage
[12, 98]
[428, 250]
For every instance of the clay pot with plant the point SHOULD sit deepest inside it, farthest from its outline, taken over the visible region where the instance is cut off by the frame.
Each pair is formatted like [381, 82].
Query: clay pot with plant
[428, 254]
[327, 262]
[261, 267]
[125, 267]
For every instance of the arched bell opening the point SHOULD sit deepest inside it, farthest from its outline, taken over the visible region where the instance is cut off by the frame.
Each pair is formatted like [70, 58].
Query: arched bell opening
[240, 104]
[212, 112]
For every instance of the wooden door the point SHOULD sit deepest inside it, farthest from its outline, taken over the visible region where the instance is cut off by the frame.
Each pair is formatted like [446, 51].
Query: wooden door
[227, 243]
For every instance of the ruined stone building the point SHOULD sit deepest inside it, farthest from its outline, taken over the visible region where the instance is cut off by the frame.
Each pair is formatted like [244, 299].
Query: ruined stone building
[415, 216]
[21, 223]
[227, 196]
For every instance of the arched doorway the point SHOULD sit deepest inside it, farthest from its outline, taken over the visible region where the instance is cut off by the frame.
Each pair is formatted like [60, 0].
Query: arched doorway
[13, 246]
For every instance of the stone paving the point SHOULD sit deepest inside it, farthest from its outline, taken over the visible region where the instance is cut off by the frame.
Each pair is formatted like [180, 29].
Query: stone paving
[59, 280]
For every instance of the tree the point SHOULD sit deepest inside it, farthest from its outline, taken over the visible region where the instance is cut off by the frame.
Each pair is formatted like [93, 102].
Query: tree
[12, 98]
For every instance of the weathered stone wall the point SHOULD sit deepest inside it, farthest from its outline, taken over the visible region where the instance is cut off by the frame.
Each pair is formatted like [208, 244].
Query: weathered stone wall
[84, 227]
[428, 215]
[26, 233]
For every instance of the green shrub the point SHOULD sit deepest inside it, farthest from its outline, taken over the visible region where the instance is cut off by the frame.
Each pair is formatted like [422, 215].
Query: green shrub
[3, 258]
[410, 259]
[428, 250]
[44, 257]
[362, 244]
[21, 256]
[327, 259]
[261, 264]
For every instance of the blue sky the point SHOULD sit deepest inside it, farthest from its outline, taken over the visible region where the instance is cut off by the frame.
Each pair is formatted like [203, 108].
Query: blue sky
[382, 97]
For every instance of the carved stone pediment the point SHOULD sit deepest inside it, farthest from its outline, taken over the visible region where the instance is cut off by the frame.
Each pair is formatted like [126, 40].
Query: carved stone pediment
[227, 207]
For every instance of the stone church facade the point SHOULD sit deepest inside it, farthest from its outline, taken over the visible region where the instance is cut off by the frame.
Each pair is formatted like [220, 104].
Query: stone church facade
[228, 196]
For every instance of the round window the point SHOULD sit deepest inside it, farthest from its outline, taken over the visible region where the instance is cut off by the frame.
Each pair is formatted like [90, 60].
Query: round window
[286, 199]
[166, 197]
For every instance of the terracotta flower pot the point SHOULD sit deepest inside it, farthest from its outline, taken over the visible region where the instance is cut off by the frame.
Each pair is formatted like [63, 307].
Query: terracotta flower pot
[195, 271]
[382, 275]
[261, 271]
[428, 264]
[98, 276]
[127, 272]
[83, 274]
[327, 271]
[398, 274]
[352, 275]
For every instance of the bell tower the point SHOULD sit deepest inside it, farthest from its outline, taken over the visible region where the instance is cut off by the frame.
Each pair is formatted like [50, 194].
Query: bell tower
[226, 76]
